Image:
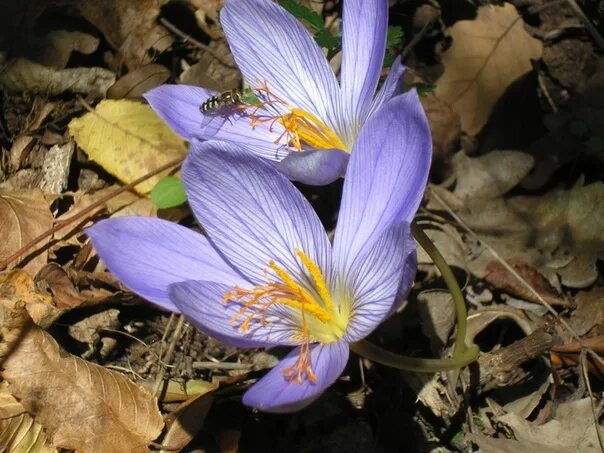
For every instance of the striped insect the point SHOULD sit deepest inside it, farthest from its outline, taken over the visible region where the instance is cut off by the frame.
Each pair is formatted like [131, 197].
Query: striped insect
[229, 98]
[221, 100]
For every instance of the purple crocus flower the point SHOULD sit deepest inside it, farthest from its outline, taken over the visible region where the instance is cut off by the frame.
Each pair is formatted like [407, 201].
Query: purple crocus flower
[267, 274]
[307, 121]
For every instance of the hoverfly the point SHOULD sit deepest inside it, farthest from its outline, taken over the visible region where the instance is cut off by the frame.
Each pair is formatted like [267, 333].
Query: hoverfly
[228, 98]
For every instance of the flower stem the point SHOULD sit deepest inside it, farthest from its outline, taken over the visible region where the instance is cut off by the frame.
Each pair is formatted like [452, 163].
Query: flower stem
[451, 282]
[462, 353]
[376, 354]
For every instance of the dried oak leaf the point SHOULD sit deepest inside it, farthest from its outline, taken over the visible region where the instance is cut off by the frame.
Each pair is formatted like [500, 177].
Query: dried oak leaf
[64, 42]
[19, 432]
[25, 75]
[498, 276]
[135, 83]
[187, 420]
[491, 175]
[82, 406]
[18, 289]
[446, 130]
[128, 140]
[130, 27]
[22, 218]
[589, 315]
[487, 55]
[59, 283]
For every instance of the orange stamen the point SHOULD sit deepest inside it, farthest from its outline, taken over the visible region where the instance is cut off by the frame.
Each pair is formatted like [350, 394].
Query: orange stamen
[287, 292]
[299, 125]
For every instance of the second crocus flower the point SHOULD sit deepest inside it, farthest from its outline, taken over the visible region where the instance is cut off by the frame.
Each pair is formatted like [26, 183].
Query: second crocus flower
[304, 118]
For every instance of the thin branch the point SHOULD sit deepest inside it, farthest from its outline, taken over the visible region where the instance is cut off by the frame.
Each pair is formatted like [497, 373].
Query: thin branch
[188, 38]
[591, 399]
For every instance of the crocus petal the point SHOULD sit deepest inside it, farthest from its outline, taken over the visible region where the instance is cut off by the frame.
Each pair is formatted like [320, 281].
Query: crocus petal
[374, 281]
[148, 255]
[274, 393]
[178, 105]
[392, 86]
[272, 46]
[386, 176]
[252, 213]
[365, 23]
[316, 168]
[202, 304]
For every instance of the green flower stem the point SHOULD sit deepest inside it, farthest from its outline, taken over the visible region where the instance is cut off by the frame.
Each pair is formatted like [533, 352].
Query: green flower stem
[462, 353]
[376, 354]
[451, 282]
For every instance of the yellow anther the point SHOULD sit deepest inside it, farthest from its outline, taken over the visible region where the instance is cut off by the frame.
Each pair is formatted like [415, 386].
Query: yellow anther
[299, 125]
[305, 300]
[317, 277]
[304, 126]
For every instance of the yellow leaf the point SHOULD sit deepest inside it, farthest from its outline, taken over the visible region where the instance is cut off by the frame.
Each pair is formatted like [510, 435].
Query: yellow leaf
[487, 55]
[19, 432]
[128, 140]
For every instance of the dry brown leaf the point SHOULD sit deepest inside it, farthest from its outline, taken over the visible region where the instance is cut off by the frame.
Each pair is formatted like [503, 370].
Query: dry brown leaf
[22, 218]
[491, 175]
[437, 315]
[501, 278]
[137, 82]
[25, 75]
[82, 406]
[63, 43]
[487, 55]
[62, 288]
[130, 27]
[19, 432]
[572, 429]
[187, 420]
[589, 315]
[210, 73]
[445, 128]
[18, 289]
[23, 143]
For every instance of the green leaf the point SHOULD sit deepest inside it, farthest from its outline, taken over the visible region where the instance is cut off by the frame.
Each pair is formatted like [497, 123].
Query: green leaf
[323, 36]
[389, 59]
[312, 18]
[327, 40]
[168, 193]
[424, 89]
[395, 36]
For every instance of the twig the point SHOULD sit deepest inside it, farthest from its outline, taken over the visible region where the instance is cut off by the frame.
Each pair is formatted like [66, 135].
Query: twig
[590, 27]
[169, 354]
[511, 270]
[417, 38]
[220, 366]
[546, 93]
[499, 364]
[591, 399]
[188, 38]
